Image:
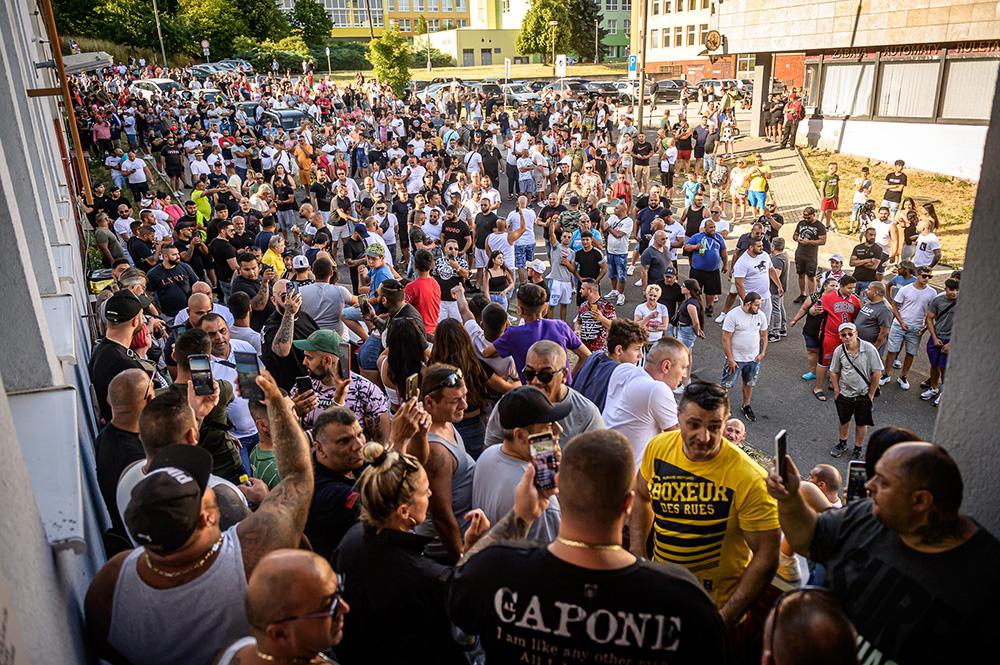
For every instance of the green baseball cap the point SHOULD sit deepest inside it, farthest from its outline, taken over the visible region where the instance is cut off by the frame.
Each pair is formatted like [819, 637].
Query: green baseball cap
[325, 341]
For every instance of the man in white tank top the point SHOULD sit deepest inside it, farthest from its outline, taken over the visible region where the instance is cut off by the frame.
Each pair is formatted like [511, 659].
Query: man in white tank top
[180, 597]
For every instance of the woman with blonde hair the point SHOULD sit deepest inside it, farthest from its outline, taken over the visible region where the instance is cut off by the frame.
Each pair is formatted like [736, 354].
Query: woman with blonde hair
[652, 314]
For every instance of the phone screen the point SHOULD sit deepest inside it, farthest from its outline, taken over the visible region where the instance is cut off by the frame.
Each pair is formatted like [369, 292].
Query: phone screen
[413, 386]
[344, 366]
[247, 371]
[201, 374]
[780, 451]
[543, 457]
[857, 476]
[303, 384]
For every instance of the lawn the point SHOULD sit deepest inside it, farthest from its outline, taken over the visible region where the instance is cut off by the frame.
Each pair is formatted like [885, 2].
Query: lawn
[953, 198]
[518, 71]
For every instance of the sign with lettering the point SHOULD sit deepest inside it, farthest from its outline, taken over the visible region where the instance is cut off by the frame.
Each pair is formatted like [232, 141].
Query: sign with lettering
[909, 52]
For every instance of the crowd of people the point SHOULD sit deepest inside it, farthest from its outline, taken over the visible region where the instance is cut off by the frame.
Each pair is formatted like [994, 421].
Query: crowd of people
[302, 470]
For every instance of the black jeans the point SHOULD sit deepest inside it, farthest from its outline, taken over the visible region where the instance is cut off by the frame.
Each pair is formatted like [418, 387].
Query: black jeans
[788, 134]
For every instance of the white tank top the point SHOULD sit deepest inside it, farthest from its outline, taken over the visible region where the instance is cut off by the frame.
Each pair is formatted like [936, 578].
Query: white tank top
[186, 624]
[227, 656]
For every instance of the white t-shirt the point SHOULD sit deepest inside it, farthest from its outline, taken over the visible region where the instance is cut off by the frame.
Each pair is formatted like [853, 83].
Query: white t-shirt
[415, 180]
[674, 232]
[882, 234]
[721, 226]
[866, 185]
[514, 221]
[473, 162]
[926, 246]
[497, 242]
[913, 304]
[525, 163]
[138, 170]
[432, 230]
[123, 227]
[619, 245]
[642, 310]
[638, 406]
[238, 410]
[746, 329]
[756, 273]
[503, 367]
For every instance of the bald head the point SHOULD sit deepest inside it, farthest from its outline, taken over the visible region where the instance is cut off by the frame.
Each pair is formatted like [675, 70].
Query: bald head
[547, 352]
[667, 348]
[811, 629]
[927, 467]
[127, 393]
[203, 288]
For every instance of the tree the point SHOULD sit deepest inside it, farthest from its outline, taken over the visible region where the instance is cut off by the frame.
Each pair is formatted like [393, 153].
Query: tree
[536, 33]
[218, 21]
[311, 20]
[390, 58]
[586, 14]
[423, 29]
[264, 20]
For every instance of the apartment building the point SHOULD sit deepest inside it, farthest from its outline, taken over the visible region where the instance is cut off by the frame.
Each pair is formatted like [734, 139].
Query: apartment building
[350, 17]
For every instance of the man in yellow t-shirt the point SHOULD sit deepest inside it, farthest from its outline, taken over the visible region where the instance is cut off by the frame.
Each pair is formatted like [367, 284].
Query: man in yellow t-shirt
[707, 505]
[757, 177]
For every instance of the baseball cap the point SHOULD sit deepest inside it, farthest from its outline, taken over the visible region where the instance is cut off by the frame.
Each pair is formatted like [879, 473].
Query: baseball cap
[165, 505]
[324, 341]
[846, 325]
[670, 270]
[838, 258]
[528, 405]
[300, 262]
[375, 250]
[361, 229]
[124, 306]
[537, 266]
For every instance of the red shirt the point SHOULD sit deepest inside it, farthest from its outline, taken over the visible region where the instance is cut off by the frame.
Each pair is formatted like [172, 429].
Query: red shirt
[838, 309]
[424, 294]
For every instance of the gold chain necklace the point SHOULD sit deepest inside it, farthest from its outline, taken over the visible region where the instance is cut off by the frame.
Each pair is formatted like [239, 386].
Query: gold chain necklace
[194, 566]
[318, 658]
[586, 546]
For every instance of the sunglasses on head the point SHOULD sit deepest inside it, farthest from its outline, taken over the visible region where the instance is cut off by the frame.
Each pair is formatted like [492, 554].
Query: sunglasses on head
[452, 380]
[544, 376]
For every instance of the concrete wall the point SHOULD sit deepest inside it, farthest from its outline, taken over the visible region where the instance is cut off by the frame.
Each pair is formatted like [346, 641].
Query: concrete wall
[799, 25]
[969, 417]
[955, 150]
[454, 42]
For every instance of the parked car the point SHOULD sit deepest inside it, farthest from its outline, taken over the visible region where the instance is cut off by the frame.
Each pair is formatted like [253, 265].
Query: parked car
[250, 108]
[205, 94]
[239, 63]
[490, 89]
[150, 88]
[522, 94]
[202, 72]
[669, 90]
[534, 85]
[287, 119]
[603, 88]
[565, 88]
[431, 91]
[628, 92]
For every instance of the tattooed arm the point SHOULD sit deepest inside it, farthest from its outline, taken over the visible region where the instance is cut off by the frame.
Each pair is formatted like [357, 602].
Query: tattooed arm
[282, 516]
[282, 344]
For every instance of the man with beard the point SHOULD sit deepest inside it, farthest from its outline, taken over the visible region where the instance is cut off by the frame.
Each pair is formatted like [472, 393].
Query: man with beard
[170, 282]
[285, 324]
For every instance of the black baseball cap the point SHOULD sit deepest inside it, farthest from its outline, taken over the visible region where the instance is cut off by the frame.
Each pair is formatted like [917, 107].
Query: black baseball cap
[124, 305]
[528, 405]
[165, 505]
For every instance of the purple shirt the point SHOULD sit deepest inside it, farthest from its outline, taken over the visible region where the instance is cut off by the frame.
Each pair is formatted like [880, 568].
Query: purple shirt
[516, 341]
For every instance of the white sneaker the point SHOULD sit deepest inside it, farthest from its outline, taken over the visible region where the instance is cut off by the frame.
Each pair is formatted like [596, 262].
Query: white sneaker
[930, 393]
[897, 364]
[621, 299]
[638, 282]
[937, 400]
[613, 293]
[885, 379]
[720, 318]
[903, 383]
[630, 270]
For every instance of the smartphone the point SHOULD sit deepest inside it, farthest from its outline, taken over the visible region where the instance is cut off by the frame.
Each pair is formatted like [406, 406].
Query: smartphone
[413, 386]
[857, 476]
[363, 304]
[344, 364]
[180, 329]
[543, 457]
[303, 384]
[201, 374]
[247, 371]
[780, 451]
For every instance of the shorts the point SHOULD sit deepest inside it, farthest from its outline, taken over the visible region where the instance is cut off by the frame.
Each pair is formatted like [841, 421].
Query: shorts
[341, 232]
[527, 186]
[561, 293]
[616, 266]
[858, 408]
[829, 204]
[756, 199]
[710, 281]
[175, 172]
[812, 343]
[805, 266]
[898, 339]
[777, 120]
[683, 155]
[830, 344]
[523, 254]
[748, 371]
[482, 258]
[687, 336]
[937, 357]
[699, 153]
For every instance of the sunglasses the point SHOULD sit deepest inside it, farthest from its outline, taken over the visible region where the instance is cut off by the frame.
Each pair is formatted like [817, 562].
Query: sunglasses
[544, 376]
[322, 614]
[452, 380]
[924, 276]
[847, 334]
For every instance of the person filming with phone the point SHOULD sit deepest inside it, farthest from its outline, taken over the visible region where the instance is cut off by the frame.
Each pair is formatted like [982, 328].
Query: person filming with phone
[916, 577]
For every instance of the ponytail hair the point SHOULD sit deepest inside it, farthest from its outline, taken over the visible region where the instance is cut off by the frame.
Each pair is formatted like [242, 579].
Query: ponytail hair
[694, 288]
[387, 483]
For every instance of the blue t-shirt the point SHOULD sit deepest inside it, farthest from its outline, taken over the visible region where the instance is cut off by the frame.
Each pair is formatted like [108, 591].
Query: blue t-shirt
[576, 244]
[691, 187]
[645, 218]
[377, 276]
[899, 282]
[709, 257]
[516, 340]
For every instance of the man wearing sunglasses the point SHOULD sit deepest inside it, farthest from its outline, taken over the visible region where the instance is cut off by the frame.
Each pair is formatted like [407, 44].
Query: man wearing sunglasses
[855, 369]
[909, 308]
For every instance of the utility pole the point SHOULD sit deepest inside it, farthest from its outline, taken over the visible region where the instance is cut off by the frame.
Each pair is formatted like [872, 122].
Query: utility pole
[643, 22]
[597, 39]
[159, 33]
[328, 67]
[552, 25]
[371, 25]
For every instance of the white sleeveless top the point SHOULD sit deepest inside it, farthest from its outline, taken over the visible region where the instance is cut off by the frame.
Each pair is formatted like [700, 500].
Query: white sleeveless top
[227, 656]
[187, 624]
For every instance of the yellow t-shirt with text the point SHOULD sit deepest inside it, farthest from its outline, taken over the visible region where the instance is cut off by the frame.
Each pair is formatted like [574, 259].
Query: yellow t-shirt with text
[274, 261]
[701, 508]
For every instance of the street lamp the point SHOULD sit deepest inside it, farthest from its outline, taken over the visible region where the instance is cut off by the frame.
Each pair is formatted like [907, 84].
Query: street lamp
[552, 25]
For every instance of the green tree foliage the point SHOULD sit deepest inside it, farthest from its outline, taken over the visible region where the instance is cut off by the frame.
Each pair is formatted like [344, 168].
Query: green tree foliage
[344, 55]
[390, 57]
[581, 41]
[418, 59]
[218, 21]
[310, 19]
[289, 52]
[75, 17]
[264, 20]
[536, 33]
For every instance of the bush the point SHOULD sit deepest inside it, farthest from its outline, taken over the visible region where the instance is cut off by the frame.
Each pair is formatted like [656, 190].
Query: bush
[289, 52]
[438, 58]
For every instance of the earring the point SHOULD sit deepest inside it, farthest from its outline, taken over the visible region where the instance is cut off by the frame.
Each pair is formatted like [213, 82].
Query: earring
[412, 521]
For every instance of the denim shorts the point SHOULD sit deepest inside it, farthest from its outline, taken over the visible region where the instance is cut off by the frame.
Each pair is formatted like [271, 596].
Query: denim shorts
[527, 186]
[687, 336]
[756, 199]
[616, 266]
[898, 339]
[523, 254]
[747, 370]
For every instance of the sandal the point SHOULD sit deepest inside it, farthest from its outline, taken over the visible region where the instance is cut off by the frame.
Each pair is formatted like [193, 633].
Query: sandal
[818, 394]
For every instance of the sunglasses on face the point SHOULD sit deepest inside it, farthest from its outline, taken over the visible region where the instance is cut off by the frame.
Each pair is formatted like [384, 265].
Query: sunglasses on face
[847, 334]
[323, 614]
[544, 376]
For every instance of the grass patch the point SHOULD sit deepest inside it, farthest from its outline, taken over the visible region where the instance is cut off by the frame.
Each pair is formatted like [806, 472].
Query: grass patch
[953, 198]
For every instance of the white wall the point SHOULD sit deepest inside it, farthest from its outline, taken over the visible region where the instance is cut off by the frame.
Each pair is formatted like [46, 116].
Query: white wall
[955, 150]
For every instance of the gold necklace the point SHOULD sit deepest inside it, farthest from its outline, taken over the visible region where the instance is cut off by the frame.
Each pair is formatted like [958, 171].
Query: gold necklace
[318, 658]
[587, 546]
[194, 566]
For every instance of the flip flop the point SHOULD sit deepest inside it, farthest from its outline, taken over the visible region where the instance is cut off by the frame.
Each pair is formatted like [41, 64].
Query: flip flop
[818, 394]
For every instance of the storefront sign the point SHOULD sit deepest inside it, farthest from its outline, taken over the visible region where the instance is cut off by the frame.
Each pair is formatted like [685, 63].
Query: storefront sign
[908, 52]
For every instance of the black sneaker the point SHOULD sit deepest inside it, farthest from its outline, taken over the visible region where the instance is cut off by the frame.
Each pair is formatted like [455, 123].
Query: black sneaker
[838, 449]
[799, 300]
[709, 311]
[857, 454]
[749, 414]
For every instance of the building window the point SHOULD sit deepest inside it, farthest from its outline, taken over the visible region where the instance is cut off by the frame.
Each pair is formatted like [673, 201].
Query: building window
[847, 89]
[906, 89]
[680, 6]
[665, 38]
[702, 33]
[613, 27]
[626, 5]
[655, 11]
[678, 36]
[627, 26]
[461, 6]
[433, 25]
[964, 83]
[404, 5]
[432, 5]
[418, 5]
[462, 22]
[690, 33]
[704, 4]
[447, 5]
[654, 39]
[692, 4]
[612, 5]
[404, 25]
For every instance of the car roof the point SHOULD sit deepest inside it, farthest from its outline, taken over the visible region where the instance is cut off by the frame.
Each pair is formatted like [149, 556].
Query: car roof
[161, 80]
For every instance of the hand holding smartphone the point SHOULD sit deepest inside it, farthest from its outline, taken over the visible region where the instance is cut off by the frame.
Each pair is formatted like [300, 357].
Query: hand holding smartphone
[543, 458]
[201, 374]
[780, 453]
[247, 371]
[857, 477]
[344, 361]
[413, 386]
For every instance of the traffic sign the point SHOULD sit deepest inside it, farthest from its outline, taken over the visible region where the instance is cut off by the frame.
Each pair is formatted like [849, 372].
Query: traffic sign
[561, 66]
[633, 67]
[204, 43]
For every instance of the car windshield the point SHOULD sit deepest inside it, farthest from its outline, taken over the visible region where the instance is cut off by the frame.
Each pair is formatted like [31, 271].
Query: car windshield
[517, 89]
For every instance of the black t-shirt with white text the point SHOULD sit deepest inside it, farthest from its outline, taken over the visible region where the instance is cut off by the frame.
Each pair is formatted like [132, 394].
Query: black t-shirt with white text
[807, 230]
[894, 179]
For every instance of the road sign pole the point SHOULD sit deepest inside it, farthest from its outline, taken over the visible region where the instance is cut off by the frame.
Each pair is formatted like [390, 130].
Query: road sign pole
[643, 22]
[328, 67]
